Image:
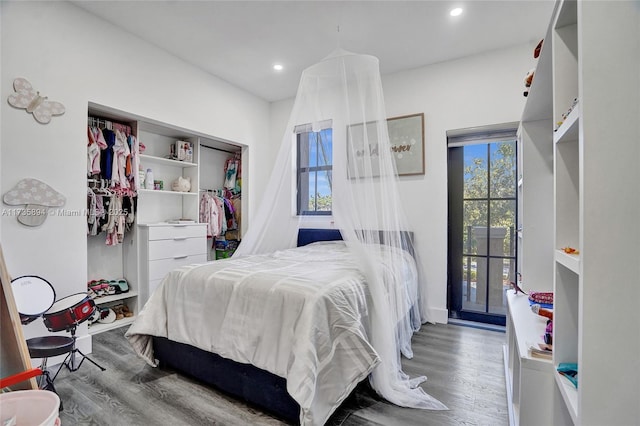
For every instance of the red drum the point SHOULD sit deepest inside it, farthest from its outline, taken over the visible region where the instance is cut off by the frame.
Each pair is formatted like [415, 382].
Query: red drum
[69, 312]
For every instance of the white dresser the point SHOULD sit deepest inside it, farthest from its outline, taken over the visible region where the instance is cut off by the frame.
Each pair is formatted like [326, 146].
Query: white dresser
[164, 247]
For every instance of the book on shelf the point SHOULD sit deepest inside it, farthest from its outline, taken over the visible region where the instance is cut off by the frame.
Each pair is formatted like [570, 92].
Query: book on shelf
[541, 350]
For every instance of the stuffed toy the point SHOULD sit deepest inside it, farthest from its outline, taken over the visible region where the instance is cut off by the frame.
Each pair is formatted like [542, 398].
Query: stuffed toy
[539, 310]
[181, 184]
[528, 79]
[536, 51]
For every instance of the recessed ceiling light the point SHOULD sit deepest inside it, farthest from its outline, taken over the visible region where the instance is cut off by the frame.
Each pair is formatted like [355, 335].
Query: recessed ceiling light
[278, 67]
[456, 12]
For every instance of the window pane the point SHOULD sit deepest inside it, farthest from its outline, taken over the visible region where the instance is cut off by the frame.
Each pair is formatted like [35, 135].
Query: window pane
[474, 227]
[312, 192]
[313, 149]
[474, 300]
[502, 233]
[475, 171]
[324, 148]
[323, 180]
[303, 150]
[303, 192]
[503, 169]
[498, 283]
[469, 271]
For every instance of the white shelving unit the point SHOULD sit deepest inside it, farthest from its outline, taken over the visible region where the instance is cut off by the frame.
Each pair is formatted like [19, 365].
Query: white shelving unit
[530, 382]
[161, 205]
[593, 53]
[597, 60]
[154, 207]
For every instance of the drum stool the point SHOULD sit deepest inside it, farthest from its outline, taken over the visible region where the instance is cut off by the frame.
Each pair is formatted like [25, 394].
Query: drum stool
[47, 347]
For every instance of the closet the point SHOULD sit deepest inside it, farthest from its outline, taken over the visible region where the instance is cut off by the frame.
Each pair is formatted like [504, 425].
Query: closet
[220, 199]
[582, 113]
[166, 232]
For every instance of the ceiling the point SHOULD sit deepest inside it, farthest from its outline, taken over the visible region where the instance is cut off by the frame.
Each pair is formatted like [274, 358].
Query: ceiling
[240, 41]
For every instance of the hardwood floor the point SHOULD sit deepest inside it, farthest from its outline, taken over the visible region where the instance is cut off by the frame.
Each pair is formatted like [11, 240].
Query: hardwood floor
[463, 364]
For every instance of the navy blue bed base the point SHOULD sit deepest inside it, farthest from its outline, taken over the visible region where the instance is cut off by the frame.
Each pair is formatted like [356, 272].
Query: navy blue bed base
[244, 381]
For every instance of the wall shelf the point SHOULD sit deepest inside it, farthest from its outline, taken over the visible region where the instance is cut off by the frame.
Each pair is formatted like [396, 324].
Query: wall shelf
[568, 130]
[164, 192]
[114, 297]
[166, 161]
[570, 261]
[100, 328]
[569, 395]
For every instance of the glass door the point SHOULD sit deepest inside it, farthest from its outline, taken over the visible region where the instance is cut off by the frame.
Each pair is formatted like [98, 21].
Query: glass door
[482, 228]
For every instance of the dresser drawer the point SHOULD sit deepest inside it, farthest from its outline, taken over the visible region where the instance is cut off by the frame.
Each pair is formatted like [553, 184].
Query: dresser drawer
[171, 232]
[177, 248]
[161, 267]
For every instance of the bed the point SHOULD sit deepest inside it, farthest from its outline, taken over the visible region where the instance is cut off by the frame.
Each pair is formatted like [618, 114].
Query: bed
[285, 331]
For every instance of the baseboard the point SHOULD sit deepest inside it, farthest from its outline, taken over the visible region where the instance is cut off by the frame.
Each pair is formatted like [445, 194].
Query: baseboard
[437, 315]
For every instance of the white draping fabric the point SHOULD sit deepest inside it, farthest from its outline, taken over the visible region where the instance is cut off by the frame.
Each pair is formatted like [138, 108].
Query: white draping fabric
[346, 88]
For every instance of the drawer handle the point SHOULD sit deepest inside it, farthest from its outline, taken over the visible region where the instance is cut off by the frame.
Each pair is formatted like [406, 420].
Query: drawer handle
[180, 257]
[179, 238]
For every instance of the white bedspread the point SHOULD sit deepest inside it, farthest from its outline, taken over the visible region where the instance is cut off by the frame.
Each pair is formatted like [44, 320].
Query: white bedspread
[300, 314]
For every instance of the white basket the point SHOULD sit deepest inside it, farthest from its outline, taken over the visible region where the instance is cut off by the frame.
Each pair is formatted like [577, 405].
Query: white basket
[29, 408]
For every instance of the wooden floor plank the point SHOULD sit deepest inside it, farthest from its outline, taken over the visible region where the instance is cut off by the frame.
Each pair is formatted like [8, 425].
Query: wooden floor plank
[463, 364]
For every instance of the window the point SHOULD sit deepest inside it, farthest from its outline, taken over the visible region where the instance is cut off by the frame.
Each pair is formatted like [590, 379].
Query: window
[483, 201]
[314, 168]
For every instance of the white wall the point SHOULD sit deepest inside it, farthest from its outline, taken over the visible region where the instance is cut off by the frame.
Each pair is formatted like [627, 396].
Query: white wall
[73, 57]
[474, 91]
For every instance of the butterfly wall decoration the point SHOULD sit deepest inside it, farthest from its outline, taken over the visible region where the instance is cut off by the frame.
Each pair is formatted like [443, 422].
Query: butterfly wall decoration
[25, 96]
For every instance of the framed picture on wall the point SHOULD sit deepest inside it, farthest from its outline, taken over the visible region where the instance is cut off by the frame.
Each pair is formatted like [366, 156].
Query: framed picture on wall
[406, 137]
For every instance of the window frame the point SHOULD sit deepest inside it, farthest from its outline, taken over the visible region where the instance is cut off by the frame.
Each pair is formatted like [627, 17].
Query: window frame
[302, 134]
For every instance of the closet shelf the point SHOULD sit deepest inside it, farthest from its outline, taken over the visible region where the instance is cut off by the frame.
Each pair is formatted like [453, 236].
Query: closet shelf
[568, 130]
[99, 328]
[115, 297]
[569, 394]
[162, 191]
[570, 261]
[166, 161]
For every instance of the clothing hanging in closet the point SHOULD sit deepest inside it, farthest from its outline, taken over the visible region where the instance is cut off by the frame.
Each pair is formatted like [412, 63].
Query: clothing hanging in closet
[113, 161]
[219, 212]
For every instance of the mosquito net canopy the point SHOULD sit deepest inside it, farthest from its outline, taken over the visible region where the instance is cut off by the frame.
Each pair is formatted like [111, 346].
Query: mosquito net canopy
[343, 92]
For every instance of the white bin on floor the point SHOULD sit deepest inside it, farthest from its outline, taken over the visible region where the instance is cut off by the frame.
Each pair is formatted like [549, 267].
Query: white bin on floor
[29, 408]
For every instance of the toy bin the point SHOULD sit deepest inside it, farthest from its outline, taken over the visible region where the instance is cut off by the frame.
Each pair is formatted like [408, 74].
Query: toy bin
[29, 407]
